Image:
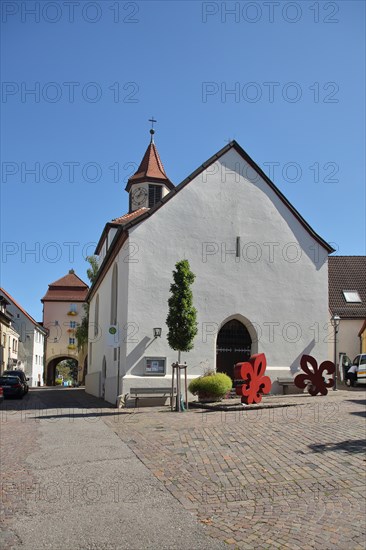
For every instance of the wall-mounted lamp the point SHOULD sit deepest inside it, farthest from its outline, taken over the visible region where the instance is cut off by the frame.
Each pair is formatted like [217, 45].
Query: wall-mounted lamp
[157, 332]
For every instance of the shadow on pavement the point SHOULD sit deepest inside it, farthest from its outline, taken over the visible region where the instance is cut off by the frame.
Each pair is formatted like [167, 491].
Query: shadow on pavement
[52, 398]
[348, 446]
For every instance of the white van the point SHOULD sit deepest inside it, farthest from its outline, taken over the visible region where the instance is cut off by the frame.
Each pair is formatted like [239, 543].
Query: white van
[360, 362]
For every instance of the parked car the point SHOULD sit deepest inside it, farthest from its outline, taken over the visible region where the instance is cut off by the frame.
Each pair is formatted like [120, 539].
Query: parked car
[21, 374]
[1, 395]
[360, 362]
[12, 386]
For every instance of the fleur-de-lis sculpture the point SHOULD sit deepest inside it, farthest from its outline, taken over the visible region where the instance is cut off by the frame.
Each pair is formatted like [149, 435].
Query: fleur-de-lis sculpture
[314, 377]
[256, 384]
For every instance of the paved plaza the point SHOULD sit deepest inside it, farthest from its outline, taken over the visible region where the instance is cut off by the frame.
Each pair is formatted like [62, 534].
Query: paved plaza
[81, 475]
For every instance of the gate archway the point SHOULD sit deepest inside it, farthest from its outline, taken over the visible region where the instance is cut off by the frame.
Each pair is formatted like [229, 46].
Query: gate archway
[51, 368]
[233, 345]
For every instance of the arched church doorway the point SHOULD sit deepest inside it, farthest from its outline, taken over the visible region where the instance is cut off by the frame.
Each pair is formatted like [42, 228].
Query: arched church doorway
[233, 345]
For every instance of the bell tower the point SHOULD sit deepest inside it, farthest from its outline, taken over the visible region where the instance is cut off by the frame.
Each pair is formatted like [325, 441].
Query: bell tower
[150, 183]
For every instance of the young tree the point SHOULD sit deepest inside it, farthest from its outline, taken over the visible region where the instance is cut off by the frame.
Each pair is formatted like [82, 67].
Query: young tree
[181, 320]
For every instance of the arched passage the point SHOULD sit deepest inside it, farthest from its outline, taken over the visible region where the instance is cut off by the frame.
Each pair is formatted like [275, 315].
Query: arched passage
[51, 368]
[233, 345]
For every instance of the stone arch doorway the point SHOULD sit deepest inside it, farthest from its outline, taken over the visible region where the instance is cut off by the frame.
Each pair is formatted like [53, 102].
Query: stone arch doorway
[233, 345]
[51, 368]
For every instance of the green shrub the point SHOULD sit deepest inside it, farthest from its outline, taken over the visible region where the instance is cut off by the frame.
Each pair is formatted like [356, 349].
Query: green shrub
[58, 382]
[211, 385]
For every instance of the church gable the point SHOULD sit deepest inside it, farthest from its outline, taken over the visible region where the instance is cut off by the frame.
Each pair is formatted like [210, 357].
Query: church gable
[230, 190]
[233, 165]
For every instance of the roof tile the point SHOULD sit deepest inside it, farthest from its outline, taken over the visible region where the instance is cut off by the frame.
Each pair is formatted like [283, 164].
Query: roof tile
[68, 288]
[347, 273]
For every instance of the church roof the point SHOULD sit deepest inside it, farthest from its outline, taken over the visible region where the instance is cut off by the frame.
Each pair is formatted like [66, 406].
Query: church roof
[150, 169]
[347, 274]
[69, 288]
[122, 220]
[123, 230]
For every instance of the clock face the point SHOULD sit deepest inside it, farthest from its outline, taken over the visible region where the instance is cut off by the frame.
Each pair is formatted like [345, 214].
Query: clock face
[138, 196]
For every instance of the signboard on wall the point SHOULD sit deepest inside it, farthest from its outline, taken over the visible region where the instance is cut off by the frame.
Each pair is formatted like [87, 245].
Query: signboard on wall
[155, 366]
[113, 336]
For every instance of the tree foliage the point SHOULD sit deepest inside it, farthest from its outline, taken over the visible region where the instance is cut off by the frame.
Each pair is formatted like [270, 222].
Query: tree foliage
[92, 271]
[181, 320]
[68, 369]
[81, 332]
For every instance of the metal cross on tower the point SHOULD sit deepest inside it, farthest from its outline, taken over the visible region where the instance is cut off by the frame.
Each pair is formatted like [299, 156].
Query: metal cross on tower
[152, 120]
[152, 131]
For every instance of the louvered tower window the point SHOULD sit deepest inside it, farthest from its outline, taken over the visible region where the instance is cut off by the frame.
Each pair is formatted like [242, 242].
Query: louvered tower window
[155, 194]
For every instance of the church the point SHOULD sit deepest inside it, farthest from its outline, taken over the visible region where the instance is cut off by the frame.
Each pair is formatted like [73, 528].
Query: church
[261, 276]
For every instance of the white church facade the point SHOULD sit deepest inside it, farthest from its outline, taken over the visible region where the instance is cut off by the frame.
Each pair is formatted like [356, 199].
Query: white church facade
[261, 276]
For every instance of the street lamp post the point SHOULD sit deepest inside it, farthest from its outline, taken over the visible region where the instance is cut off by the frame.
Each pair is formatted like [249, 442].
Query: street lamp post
[335, 324]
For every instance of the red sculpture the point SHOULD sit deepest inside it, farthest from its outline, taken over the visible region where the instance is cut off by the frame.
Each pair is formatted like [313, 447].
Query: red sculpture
[314, 378]
[256, 384]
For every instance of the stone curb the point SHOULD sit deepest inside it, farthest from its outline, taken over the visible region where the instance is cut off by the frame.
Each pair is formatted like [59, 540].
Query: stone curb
[239, 406]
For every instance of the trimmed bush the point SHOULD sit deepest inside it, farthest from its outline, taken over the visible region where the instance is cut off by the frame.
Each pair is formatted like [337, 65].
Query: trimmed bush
[211, 385]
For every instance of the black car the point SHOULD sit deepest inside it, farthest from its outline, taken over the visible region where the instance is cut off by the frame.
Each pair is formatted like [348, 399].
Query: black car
[12, 386]
[21, 374]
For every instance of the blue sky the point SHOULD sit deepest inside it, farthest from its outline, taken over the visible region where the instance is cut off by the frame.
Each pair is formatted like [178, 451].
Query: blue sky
[285, 79]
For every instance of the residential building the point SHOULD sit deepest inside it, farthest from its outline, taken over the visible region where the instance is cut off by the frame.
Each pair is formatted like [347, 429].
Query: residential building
[347, 298]
[9, 337]
[32, 337]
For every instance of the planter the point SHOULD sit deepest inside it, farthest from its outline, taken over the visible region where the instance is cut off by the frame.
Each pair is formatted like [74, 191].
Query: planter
[71, 313]
[204, 398]
[210, 387]
[71, 346]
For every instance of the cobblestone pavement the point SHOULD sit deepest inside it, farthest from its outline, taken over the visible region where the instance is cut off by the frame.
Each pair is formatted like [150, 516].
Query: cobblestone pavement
[17, 440]
[289, 477]
[69, 483]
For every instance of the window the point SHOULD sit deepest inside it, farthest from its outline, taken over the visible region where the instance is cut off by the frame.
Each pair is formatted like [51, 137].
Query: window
[71, 341]
[352, 296]
[72, 324]
[4, 340]
[56, 323]
[36, 359]
[155, 194]
[114, 295]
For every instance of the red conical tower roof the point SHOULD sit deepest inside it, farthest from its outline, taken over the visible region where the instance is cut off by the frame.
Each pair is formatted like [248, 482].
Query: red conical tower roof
[150, 169]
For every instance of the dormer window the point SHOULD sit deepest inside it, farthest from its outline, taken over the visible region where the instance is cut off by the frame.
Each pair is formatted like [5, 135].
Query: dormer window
[155, 194]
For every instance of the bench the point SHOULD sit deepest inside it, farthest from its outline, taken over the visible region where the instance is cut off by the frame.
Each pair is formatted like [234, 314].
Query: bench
[137, 393]
[285, 383]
